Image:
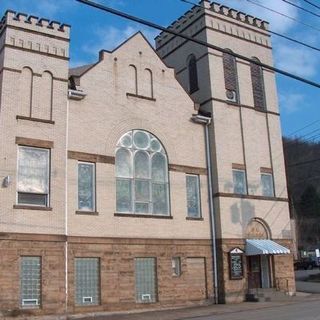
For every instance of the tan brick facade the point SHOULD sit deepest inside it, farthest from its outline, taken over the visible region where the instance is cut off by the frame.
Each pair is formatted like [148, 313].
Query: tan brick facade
[129, 89]
[243, 135]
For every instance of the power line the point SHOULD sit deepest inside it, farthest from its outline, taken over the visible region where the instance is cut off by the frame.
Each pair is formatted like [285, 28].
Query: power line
[303, 163]
[307, 126]
[203, 43]
[283, 15]
[301, 8]
[270, 31]
[312, 4]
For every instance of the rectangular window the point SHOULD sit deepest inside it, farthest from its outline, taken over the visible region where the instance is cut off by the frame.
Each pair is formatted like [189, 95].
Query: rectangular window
[239, 181]
[33, 176]
[193, 196]
[87, 281]
[176, 266]
[86, 186]
[267, 185]
[146, 280]
[30, 281]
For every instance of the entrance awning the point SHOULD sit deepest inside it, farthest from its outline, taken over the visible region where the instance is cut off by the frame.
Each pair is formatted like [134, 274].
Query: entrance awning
[262, 246]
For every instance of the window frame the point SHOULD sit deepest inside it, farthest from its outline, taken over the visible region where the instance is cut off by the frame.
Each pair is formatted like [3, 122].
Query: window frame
[30, 306]
[260, 77]
[192, 73]
[47, 195]
[155, 284]
[272, 195]
[94, 186]
[199, 215]
[176, 266]
[98, 282]
[132, 152]
[233, 86]
[244, 181]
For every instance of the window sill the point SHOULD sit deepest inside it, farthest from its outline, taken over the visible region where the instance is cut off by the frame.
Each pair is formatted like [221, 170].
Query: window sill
[140, 97]
[134, 215]
[30, 207]
[89, 213]
[34, 119]
[195, 218]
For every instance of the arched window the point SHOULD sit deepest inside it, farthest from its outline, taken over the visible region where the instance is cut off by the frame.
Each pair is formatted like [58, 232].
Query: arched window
[149, 82]
[133, 76]
[259, 99]
[230, 77]
[193, 73]
[142, 174]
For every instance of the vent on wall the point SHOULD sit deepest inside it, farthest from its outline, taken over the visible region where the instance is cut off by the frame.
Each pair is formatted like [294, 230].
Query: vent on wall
[87, 299]
[231, 96]
[146, 297]
[30, 302]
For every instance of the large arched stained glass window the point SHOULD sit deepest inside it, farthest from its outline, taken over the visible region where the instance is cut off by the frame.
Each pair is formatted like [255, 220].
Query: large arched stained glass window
[142, 174]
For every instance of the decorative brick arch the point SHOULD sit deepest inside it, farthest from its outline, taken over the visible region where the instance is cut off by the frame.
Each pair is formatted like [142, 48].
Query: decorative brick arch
[257, 229]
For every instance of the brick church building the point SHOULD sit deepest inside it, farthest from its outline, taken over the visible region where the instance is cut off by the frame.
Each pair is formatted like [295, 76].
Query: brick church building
[151, 178]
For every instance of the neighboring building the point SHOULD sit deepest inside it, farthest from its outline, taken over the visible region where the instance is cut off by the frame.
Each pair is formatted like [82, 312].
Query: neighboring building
[104, 203]
[249, 183]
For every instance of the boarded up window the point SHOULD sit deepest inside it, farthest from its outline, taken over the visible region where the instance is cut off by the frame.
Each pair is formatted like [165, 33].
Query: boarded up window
[193, 74]
[257, 85]
[230, 77]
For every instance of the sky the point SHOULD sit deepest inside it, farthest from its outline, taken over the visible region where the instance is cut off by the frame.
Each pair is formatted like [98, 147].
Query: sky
[93, 30]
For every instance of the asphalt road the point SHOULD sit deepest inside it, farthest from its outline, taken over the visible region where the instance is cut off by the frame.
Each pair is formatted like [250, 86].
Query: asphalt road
[304, 286]
[300, 311]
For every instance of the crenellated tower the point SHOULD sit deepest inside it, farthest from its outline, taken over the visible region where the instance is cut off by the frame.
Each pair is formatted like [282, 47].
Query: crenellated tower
[249, 183]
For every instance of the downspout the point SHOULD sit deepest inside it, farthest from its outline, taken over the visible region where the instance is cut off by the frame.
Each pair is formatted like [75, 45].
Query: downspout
[66, 210]
[206, 121]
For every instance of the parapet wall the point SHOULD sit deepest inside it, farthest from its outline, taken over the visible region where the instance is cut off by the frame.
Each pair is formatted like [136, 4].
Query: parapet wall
[35, 34]
[213, 9]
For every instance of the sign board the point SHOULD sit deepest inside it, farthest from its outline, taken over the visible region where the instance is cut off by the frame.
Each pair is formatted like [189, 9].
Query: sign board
[236, 264]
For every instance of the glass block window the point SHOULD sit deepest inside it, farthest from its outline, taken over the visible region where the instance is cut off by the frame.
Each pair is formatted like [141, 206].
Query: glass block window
[86, 186]
[142, 174]
[267, 185]
[193, 196]
[33, 176]
[239, 181]
[30, 281]
[176, 266]
[146, 280]
[87, 281]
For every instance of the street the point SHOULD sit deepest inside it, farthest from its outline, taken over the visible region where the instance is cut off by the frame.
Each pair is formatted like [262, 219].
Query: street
[303, 306]
[304, 310]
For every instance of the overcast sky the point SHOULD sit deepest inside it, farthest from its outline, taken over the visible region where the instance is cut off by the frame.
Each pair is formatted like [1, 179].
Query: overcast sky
[93, 30]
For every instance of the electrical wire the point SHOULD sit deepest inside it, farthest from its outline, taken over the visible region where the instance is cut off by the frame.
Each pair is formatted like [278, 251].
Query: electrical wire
[302, 163]
[283, 15]
[189, 38]
[270, 31]
[301, 8]
[307, 126]
[312, 4]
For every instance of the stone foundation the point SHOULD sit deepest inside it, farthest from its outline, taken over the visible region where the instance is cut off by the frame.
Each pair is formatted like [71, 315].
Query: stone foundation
[117, 274]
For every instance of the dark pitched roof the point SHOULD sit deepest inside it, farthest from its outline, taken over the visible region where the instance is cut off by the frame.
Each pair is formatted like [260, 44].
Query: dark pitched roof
[78, 71]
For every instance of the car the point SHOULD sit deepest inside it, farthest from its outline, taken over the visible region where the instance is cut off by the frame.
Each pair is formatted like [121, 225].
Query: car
[306, 263]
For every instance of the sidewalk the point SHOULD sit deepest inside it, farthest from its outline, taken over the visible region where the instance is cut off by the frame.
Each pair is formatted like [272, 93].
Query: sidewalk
[194, 312]
[177, 313]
